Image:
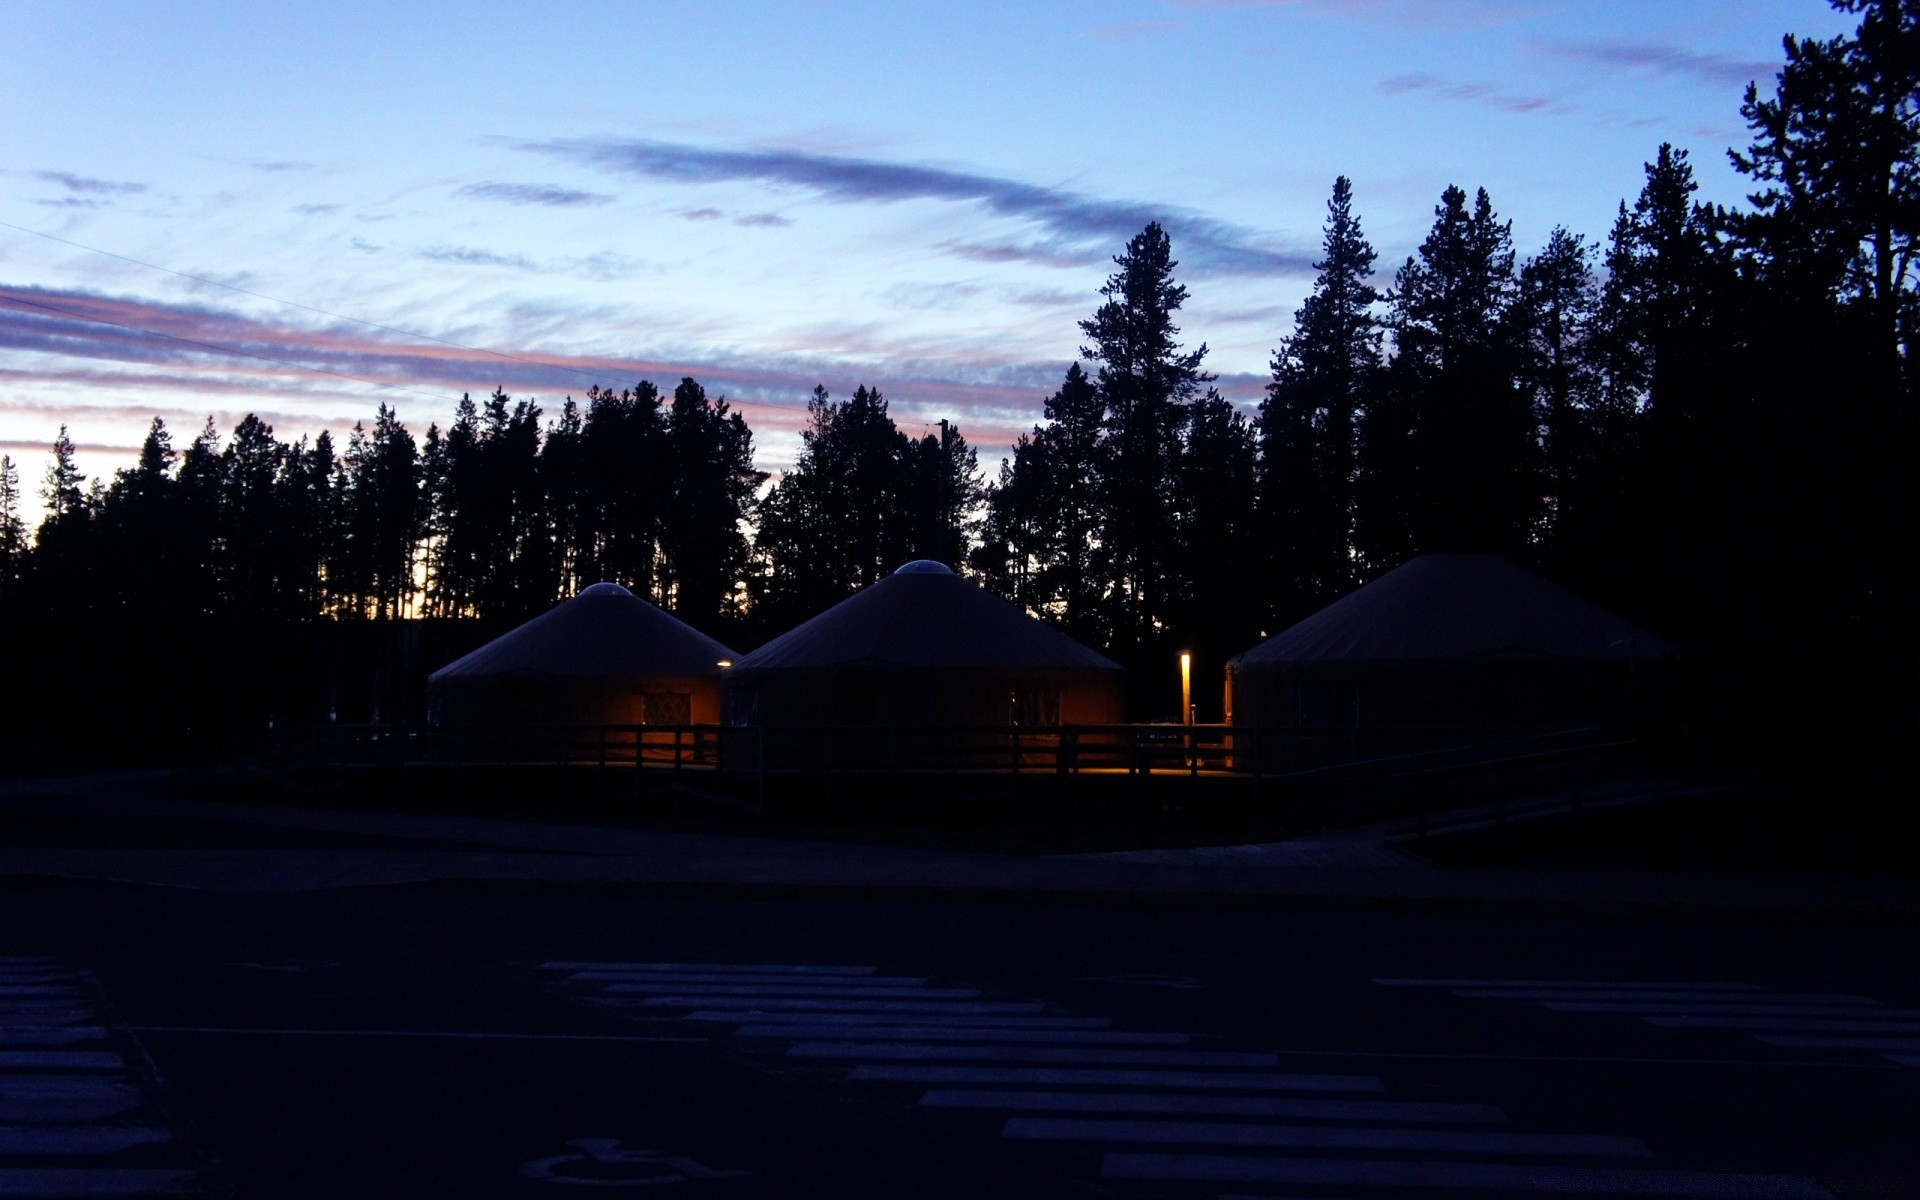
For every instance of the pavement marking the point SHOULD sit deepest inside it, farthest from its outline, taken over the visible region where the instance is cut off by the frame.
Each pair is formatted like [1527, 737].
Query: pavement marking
[1786, 1024]
[1095, 1077]
[72, 1060]
[93, 1181]
[1325, 1137]
[866, 1020]
[800, 991]
[1605, 985]
[49, 1035]
[1522, 1177]
[687, 980]
[778, 1004]
[1035, 1054]
[11, 990]
[1904, 1060]
[916, 1034]
[77, 1140]
[1795, 1041]
[416, 1033]
[710, 968]
[1675, 996]
[50, 1099]
[14, 959]
[1219, 1106]
[1730, 1010]
[14, 1019]
[1596, 1059]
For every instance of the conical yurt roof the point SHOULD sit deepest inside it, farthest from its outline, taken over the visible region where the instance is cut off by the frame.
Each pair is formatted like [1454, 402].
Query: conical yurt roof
[924, 617]
[1457, 608]
[604, 632]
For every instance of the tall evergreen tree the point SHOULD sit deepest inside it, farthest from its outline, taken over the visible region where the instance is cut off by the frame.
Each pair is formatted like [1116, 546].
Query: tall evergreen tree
[1145, 380]
[706, 505]
[1308, 423]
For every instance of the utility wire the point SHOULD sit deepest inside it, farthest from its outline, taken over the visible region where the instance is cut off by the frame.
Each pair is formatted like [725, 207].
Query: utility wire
[425, 337]
[218, 349]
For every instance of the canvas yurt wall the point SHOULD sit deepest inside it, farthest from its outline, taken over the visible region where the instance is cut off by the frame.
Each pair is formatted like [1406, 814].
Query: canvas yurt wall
[924, 647]
[605, 657]
[1451, 641]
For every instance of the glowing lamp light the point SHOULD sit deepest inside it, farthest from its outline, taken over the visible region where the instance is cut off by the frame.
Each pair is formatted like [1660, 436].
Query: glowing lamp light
[724, 663]
[1186, 687]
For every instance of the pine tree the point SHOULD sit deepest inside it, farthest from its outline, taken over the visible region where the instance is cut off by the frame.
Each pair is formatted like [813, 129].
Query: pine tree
[1145, 381]
[61, 496]
[1308, 423]
[13, 533]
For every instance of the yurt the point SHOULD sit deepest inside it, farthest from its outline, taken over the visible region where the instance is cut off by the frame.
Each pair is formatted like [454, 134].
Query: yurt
[924, 647]
[1450, 641]
[605, 657]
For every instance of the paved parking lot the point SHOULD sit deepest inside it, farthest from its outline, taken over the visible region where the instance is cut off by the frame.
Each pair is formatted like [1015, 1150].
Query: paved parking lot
[473, 1040]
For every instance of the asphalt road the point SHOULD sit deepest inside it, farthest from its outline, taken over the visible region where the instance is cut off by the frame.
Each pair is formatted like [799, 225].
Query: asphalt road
[491, 1041]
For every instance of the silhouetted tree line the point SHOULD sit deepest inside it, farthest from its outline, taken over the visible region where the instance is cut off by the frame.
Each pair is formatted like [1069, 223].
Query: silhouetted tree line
[1707, 421]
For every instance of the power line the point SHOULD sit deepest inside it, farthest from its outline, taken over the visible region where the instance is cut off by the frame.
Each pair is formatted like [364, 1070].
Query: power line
[219, 349]
[425, 337]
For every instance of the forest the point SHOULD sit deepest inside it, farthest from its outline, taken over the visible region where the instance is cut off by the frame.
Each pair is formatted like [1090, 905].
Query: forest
[1704, 419]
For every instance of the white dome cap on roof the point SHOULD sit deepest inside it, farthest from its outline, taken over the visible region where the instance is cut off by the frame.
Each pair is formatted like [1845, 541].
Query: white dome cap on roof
[925, 566]
[605, 589]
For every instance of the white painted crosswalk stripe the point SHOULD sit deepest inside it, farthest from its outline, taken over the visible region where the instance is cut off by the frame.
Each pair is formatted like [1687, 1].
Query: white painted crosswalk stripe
[829, 1004]
[1770, 1009]
[1571, 984]
[1904, 1060]
[41, 1099]
[75, 1182]
[1786, 1024]
[40, 1140]
[49, 1035]
[912, 1051]
[1518, 1177]
[1113, 1077]
[1380, 1111]
[14, 1019]
[710, 968]
[1325, 1137]
[71, 1060]
[1798, 1042]
[1671, 996]
[1101, 1037]
[924, 1020]
[11, 990]
[795, 991]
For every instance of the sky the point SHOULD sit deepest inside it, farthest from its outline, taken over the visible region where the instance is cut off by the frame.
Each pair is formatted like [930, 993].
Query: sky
[304, 211]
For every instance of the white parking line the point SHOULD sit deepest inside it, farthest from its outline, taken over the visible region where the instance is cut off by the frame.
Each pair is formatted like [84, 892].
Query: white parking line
[1096, 1077]
[50, 1035]
[1102, 1037]
[1769, 1009]
[679, 980]
[1677, 997]
[1786, 1024]
[824, 1004]
[11, 990]
[1904, 1045]
[710, 968]
[1218, 1106]
[453, 1034]
[15, 1019]
[797, 991]
[93, 1182]
[1520, 1177]
[927, 1020]
[1604, 985]
[920, 1051]
[71, 1060]
[48, 1099]
[1325, 1137]
[73, 1140]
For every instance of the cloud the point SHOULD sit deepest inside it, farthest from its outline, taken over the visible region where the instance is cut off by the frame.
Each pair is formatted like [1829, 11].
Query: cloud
[703, 214]
[763, 221]
[316, 210]
[1717, 69]
[276, 166]
[1073, 222]
[467, 256]
[72, 202]
[88, 185]
[80, 350]
[365, 247]
[1001, 252]
[546, 194]
[1470, 93]
[1447, 13]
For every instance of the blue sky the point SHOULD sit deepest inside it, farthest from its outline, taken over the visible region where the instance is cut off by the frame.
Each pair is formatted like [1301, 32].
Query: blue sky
[765, 196]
